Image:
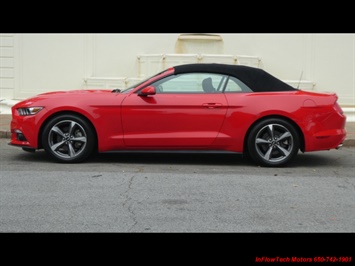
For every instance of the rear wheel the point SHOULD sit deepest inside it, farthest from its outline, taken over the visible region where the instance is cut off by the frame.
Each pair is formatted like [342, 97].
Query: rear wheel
[273, 142]
[68, 138]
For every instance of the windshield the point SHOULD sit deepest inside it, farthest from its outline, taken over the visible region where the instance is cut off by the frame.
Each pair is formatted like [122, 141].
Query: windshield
[140, 82]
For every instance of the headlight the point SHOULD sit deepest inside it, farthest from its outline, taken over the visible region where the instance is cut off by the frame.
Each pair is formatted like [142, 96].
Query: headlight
[29, 110]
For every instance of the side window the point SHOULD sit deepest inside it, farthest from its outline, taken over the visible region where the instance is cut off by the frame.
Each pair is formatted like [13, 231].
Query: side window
[191, 83]
[235, 85]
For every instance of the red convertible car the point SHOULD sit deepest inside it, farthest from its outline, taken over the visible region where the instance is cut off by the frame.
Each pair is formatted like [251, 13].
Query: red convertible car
[186, 108]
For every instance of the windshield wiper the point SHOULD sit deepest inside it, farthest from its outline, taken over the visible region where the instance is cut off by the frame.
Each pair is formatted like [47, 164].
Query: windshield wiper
[116, 91]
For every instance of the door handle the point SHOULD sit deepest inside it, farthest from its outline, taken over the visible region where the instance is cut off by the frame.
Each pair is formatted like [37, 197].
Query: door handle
[212, 105]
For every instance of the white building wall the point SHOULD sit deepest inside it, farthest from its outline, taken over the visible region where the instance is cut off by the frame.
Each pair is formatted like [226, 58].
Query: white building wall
[334, 65]
[328, 60]
[49, 62]
[34, 63]
[7, 66]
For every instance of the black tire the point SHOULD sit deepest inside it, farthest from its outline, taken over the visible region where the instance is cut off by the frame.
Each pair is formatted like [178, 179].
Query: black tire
[68, 138]
[273, 142]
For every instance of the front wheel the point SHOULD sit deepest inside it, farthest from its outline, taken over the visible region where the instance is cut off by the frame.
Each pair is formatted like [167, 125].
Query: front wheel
[68, 138]
[273, 142]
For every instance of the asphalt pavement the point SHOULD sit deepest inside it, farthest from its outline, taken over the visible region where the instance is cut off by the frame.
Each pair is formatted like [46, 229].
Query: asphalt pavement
[5, 120]
[137, 193]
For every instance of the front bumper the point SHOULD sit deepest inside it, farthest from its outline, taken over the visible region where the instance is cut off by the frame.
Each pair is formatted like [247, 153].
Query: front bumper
[24, 131]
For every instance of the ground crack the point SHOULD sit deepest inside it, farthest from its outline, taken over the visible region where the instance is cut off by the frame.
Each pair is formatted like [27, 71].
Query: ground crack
[127, 203]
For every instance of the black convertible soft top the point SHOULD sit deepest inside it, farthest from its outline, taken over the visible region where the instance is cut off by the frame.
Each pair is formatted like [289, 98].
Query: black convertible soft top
[255, 78]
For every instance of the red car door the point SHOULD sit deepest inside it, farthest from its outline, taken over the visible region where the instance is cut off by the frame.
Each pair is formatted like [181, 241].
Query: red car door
[173, 118]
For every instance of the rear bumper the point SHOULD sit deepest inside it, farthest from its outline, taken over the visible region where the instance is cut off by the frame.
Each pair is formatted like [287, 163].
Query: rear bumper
[327, 140]
[327, 135]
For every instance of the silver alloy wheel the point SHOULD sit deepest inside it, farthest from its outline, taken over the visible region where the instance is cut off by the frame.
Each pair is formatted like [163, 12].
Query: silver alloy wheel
[67, 139]
[274, 143]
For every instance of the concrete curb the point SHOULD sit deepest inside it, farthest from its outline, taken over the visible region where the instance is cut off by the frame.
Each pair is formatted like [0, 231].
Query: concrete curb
[5, 134]
[349, 143]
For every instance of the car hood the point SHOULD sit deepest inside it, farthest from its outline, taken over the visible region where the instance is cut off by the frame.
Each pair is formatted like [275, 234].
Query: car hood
[71, 92]
[68, 97]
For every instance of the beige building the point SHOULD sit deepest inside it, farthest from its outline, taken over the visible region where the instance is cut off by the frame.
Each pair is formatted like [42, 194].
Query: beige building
[35, 63]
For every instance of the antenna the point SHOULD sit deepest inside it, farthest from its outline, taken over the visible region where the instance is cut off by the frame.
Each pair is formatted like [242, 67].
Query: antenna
[300, 80]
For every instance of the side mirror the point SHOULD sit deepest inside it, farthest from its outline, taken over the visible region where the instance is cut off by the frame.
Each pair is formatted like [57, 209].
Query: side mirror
[150, 90]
